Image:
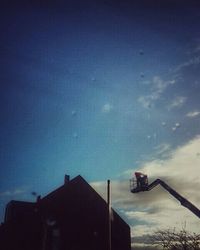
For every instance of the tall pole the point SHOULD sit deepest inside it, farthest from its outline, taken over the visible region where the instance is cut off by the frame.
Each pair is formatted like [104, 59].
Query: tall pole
[109, 216]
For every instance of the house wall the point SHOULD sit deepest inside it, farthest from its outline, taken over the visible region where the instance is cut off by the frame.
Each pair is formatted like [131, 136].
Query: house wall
[82, 216]
[73, 217]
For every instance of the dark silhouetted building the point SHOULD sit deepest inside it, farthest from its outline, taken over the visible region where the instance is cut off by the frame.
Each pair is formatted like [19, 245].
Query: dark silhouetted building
[73, 217]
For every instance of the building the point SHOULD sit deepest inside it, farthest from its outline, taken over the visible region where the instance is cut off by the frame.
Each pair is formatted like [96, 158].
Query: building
[73, 217]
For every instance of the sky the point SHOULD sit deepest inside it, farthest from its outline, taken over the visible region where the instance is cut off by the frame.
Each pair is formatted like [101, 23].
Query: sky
[102, 89]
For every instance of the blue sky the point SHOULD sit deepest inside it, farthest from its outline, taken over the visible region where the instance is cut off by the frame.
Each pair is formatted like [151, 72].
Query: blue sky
[96, 88]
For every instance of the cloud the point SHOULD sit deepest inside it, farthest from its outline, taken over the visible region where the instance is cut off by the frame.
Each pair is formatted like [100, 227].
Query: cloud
[176, 126]
[157, 209]
[146, 101]
[12, 192]
[158, 86]
[162, 149]
[107, 108]
[193, 114]
[191, 62]
[178, 102]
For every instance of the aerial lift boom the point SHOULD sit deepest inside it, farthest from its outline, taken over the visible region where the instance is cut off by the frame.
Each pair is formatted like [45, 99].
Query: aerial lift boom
[141, 184]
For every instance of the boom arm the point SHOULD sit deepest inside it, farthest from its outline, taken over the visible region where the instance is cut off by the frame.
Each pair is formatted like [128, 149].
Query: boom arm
[184, 202]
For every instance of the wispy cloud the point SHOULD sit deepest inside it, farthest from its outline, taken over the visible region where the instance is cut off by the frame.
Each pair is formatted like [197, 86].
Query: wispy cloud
[193, 114]
[191, 62]
[158, 86]
[162, 149]
[177, 102]
[107, 108]
[14, 192]
[146, 101]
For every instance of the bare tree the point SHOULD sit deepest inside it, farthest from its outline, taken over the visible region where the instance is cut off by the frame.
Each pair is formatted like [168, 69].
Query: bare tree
[171, 239]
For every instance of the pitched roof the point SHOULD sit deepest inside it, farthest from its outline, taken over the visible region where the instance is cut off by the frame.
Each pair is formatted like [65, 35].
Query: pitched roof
[78, 181]
[72, 191]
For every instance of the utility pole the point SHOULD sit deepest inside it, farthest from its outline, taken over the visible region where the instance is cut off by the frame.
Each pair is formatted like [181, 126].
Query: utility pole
[109, 216]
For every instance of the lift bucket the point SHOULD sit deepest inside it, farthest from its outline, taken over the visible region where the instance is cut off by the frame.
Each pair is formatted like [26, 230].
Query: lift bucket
[140, 183]
[133, 186]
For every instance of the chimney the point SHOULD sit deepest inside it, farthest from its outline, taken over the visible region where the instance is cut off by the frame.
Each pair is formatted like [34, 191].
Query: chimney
[38, 198]
[67, 179]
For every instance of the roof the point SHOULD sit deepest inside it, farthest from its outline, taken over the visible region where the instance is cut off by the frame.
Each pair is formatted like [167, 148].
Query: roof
[74, 193]
[69, 186]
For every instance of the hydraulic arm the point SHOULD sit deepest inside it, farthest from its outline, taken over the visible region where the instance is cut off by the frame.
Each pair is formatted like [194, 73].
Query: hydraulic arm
[145, 187]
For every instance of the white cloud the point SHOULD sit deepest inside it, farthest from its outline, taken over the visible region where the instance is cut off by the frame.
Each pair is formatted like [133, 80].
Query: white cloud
[190, 62]
[176, 126]
[181, 170]
[193, 114]
[178, 102]
[157, 209]
[158, 86]
[162, 148]
[14, 192]
[107, 108]
[163, 124]
[145, 101]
